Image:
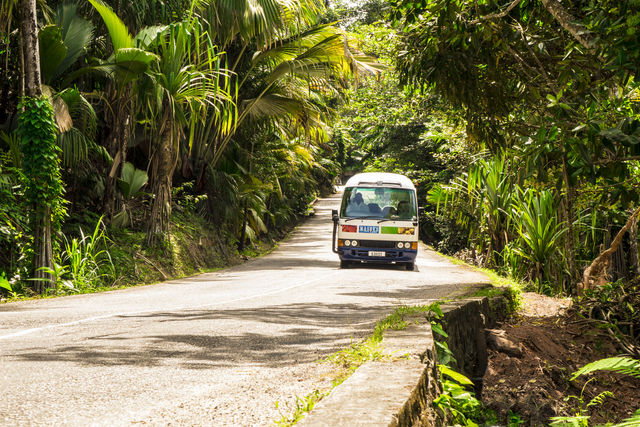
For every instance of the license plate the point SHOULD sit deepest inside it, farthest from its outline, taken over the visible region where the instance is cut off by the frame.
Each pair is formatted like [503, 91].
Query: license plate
[377, 253]
[369, 229]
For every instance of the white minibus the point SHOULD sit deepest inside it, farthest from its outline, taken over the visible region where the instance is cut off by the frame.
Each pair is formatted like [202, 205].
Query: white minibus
[377, 221]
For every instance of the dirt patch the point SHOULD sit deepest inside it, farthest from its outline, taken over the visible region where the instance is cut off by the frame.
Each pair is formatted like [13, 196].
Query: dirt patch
[535, 385]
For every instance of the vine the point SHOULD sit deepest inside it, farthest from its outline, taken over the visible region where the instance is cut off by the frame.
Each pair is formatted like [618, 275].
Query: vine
[41, 164]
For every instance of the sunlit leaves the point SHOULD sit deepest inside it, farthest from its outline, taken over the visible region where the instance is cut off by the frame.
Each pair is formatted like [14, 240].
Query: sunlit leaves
[118, 31]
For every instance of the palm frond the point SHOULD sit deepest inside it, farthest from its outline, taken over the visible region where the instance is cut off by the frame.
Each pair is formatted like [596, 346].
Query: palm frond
[76, 33]
[81, 111]
[148, 35]
[74, 147]
[274, 105]
[52, 51]
[120, 37]
[13, 140]
[260, 21]
[622, 365]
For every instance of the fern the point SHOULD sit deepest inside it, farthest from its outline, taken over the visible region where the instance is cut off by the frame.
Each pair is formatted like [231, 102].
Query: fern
[599, 399]
[622, 365]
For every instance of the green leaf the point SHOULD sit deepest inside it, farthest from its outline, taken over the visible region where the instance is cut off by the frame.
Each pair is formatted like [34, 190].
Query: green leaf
[121, 219]
[572, 421]
[52, 51]
[456, 376]
[437, 328]
[148, 35]
[77, 33]
[119, 33]
[132, 180]
[623, 365]
[132, 62]
[633, 421]
[4, 283]
[616, 135]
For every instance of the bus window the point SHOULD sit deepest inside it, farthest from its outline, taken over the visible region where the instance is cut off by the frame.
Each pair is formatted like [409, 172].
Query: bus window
[378, 202]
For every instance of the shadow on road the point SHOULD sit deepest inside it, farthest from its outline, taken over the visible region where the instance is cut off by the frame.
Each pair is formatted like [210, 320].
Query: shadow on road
[311, 336]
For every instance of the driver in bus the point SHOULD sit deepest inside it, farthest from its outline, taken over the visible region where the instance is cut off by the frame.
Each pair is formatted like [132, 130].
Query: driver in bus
[357, 205]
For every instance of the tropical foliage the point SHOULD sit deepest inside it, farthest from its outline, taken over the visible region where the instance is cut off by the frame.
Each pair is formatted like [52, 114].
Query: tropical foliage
[555, 117]
[519, 122]
[227, 101]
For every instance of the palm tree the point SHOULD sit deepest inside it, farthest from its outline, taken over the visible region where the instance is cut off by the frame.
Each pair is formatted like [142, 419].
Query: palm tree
[184, 89]
[281, 64]
[280, 61]
[26, 11]
[128, 63]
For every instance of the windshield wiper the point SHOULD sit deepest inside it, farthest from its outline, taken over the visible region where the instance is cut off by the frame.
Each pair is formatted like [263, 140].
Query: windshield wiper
[385, 219]
[357, 217]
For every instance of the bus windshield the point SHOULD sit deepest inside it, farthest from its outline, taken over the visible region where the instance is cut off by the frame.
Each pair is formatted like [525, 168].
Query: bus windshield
[378, 203]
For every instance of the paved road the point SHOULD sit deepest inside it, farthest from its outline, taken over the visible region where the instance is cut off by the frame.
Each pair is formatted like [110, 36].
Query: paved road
[215, 349]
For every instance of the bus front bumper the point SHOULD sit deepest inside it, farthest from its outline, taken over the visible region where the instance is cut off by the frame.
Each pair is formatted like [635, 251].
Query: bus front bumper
[377, 255]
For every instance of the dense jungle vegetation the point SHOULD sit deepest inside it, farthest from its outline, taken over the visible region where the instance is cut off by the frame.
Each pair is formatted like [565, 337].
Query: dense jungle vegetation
[140, 130]
[518, 122]
[116, 114]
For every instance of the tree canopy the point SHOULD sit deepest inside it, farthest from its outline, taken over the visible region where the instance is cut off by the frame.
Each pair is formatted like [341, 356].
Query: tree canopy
[518, 120]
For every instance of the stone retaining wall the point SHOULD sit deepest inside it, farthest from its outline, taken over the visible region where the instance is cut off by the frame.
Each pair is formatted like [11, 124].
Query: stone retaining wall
[465, 323]
[400, 393]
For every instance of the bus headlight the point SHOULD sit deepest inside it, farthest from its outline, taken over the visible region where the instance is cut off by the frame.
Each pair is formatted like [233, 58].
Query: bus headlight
[400, 245]
[354, 243]
[407, 245]
[347, 242]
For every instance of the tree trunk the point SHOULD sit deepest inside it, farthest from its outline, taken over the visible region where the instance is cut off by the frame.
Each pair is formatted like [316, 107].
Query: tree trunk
[30, 48]
[163, 164]
[112, 203]
[22, 87]
[41, 215]
[568, 22]
[634, 262]
[243, 231]
[569, 218]
[43, 249]
[594, 275]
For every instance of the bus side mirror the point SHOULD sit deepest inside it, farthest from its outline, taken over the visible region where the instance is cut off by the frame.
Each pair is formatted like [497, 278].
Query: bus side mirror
[334, 215]
[420, 211]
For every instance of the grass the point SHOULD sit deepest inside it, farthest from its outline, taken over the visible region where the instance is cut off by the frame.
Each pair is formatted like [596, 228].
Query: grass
[193, 247]
[398, 319]
[352, 357]
[509, 287]
[303, 405]
[494, 278]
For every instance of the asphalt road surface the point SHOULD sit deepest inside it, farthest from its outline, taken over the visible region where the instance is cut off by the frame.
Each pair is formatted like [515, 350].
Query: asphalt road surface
[216, 349]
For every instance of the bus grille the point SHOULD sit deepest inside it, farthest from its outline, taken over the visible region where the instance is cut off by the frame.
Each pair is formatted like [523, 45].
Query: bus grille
[382, 244]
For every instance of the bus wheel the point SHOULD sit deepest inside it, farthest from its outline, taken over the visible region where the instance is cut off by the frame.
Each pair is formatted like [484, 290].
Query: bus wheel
[344, 263]
[409, 266]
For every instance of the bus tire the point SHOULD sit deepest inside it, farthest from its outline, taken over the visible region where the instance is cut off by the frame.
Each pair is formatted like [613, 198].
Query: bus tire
[410, 266]
[344, 263]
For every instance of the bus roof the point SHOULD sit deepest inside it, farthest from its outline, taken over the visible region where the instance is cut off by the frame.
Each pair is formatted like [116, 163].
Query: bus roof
[380, 179]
